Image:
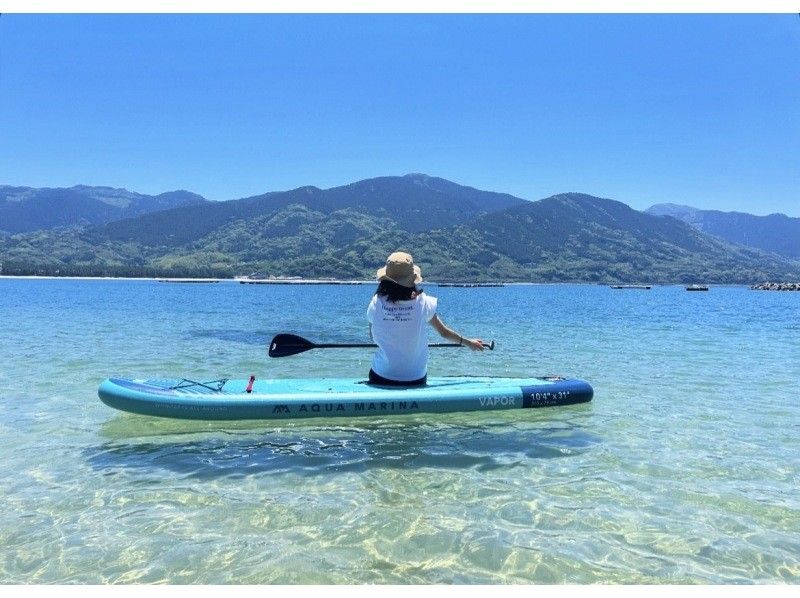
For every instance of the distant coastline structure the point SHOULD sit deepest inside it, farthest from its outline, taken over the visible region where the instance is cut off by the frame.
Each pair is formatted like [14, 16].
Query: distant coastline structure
[470, 284]
[776, 286]
[189, 280]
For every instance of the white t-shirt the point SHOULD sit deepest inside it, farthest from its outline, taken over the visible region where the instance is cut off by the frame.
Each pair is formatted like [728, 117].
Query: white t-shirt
[399, 330]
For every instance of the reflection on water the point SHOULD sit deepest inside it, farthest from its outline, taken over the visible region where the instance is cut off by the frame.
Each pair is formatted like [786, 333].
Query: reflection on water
[327, 449]
[249, 337]
[263, 337]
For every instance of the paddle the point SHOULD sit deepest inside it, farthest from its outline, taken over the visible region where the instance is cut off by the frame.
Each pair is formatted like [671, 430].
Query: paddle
[284, 345]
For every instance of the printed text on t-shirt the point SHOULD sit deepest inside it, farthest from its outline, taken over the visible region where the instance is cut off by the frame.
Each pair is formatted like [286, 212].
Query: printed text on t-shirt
[397, 313]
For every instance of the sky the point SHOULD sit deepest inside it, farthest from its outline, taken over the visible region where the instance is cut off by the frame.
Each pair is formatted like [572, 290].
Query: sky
[702, 110]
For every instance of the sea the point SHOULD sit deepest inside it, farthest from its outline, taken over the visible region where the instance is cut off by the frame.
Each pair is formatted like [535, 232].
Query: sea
[684, 469]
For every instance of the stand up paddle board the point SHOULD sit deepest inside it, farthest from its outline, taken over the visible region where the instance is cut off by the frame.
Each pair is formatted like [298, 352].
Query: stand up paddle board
[334, 397]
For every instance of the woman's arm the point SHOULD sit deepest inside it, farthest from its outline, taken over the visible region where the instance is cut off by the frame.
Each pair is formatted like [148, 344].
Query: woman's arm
[475, 344]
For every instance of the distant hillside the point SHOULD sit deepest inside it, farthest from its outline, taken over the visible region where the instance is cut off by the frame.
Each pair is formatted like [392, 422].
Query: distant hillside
[25, 209]
[575, 237]
[455, 233]
[777, 233]
[413, 202]
[578, 236]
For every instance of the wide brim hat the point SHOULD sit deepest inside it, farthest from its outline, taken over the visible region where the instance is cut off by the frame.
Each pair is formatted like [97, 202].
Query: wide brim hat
[400, 268]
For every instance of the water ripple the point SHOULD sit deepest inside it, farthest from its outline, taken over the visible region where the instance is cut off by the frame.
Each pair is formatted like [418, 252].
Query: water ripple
[345, 450]
[683, 469]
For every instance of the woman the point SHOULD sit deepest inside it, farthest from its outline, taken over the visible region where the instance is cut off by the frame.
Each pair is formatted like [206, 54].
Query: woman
[397, 316]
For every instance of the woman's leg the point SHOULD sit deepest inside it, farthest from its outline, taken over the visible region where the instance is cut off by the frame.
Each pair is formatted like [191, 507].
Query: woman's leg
[379, 380]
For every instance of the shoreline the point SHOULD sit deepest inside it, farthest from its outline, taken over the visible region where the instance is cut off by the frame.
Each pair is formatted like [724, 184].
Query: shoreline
[318, 281]
[187, 280]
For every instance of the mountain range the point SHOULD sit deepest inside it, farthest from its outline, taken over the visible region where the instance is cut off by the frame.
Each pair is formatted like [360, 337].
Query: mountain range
[777, 233]
[456, 233]
[25, 209]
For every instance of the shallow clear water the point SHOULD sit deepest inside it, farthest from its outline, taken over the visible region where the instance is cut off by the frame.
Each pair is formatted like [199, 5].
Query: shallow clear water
[684, 468]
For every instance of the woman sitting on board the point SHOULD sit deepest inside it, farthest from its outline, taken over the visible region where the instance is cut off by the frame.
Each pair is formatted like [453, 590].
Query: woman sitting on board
[397, 316]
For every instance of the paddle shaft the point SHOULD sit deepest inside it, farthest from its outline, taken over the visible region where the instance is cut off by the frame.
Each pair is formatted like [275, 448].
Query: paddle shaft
[368, 345]
[284, 345]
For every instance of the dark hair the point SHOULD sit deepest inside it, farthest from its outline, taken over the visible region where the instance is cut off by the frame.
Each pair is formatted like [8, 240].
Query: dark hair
[395, 292]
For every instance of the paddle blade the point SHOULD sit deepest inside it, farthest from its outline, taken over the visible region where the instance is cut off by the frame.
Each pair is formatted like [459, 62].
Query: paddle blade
[284, 345]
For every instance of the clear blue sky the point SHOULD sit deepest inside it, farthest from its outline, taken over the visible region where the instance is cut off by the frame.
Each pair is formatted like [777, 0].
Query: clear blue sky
[701, 110]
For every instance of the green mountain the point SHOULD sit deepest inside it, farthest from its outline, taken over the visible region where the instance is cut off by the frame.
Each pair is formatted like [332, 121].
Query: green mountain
[580, 237]
[25, 209]
[413, 202]
[777, 233]
[575, 237]
[454, 232]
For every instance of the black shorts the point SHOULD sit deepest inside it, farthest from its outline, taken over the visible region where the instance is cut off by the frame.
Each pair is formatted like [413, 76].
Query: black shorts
[381, 381]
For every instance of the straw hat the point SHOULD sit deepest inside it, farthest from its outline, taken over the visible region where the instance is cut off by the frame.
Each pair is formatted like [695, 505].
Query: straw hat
[400, 268]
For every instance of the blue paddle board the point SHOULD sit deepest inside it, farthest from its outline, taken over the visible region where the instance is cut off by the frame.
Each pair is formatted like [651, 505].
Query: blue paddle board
[334, 397]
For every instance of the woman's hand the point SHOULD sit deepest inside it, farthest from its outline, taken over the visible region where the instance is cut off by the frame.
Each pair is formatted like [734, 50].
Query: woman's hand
[475, 344]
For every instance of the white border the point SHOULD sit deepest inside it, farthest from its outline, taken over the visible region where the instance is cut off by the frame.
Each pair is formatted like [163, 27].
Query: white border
[400, 6]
